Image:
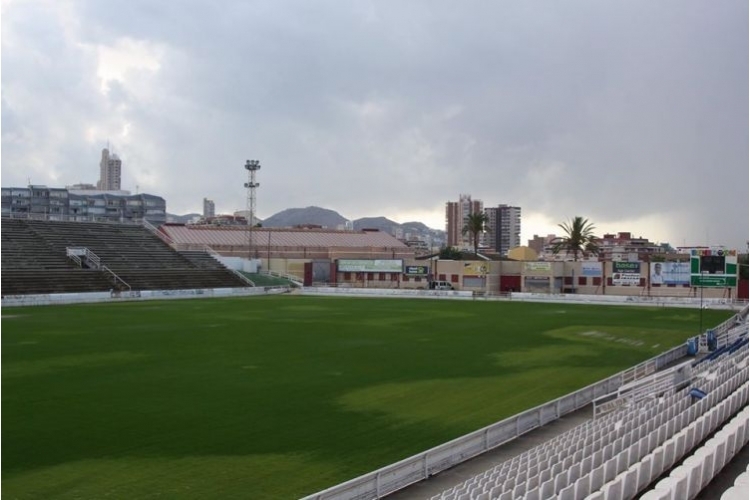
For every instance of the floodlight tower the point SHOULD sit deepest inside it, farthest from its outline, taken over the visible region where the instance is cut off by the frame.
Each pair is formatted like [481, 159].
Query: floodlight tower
[251, 166]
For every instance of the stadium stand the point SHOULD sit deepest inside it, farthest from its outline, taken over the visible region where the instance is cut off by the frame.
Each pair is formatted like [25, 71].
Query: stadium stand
[643, 443]
[104, 256]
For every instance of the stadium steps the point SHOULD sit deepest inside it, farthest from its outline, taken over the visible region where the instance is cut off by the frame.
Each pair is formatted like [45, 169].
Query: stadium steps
[137, 256]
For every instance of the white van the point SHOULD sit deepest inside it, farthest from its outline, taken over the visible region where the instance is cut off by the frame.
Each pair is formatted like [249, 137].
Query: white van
[440, 285]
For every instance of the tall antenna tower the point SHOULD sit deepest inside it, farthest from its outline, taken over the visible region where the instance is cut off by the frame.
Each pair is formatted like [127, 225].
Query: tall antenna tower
[251, 166]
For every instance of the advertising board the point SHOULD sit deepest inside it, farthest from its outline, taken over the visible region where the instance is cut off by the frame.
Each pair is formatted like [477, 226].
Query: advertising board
[370, 265]
[537, 266]
[626, 273]
[416, 270]
[593, 269]
[670, 273]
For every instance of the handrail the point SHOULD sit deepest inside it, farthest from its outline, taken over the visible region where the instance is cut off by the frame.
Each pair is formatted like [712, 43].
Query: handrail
[94, 258]
[75, 254]
[160, 234]
[117, 278]
[75, 259]
[294, 279]
[210, 251]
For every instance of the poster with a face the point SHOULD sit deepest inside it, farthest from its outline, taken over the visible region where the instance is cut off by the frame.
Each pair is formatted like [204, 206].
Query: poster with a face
[670, 273]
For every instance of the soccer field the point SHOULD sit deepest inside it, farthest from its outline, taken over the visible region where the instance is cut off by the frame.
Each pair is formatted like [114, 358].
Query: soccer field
[281, 396]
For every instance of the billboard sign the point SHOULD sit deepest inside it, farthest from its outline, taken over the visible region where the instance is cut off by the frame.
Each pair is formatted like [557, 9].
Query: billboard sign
[670, 273]
[537, 266]
[416, 270]
[591, 269]
[370, 265]
[626, 273]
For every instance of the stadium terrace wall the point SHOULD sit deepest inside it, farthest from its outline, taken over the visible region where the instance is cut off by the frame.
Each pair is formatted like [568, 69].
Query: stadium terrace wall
[81, 298]
[479, 276]
[411, 470]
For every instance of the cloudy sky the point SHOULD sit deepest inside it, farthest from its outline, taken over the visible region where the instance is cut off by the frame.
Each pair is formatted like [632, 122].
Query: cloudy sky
[631, 113]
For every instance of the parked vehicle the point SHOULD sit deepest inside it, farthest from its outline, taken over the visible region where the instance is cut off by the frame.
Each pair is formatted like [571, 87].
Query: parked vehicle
[441, 285]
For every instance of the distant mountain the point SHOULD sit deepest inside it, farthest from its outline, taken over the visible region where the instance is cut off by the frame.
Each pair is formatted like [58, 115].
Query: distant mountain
[310, 215]
[331, 219]
[415, 226]
[381, 223]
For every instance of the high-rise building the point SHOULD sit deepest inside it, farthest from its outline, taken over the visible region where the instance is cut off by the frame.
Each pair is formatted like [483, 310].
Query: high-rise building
[110, 172]
[456, 217]
[209, 208]
[82, 205]
[504, 228]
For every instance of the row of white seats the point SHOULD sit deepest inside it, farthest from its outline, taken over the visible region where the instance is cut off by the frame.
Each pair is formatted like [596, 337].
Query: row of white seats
[480, 484]
[551, 458]
[635, 433]
[577, 485]
[635, 477]
[623, 476]
[687, 480]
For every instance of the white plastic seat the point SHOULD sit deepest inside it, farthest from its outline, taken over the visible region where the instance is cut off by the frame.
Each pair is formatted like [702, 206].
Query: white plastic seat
[613, 489]
[582, 486]
[693, 466]
[644, 472]
[597, 478]
[567, 493]
[680, 476]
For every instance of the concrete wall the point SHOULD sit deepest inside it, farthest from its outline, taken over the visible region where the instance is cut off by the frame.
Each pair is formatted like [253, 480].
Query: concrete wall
[482, 276]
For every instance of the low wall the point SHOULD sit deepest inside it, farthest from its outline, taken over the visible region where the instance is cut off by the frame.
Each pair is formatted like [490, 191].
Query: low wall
[386, 292]
[632, 300]
[81, 298]
[626, 300]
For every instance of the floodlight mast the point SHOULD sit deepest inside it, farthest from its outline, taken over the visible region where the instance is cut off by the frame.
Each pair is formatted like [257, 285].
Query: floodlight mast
[251, 166]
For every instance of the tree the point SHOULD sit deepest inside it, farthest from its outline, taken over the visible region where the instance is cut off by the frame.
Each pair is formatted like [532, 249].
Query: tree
[475, 224]
[579, 238]
[450, 253]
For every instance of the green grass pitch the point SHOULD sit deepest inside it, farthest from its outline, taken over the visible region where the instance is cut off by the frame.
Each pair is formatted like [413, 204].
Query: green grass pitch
[281, 396]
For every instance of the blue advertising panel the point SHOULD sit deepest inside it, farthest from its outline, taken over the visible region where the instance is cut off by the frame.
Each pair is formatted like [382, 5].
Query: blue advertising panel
[593, 269]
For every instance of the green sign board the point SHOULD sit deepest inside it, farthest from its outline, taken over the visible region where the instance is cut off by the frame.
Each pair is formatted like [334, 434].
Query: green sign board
[626, 267]
[713, 267]
[416, 270]
[713, 281]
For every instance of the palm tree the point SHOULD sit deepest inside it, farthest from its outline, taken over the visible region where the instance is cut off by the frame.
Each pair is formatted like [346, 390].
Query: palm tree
[579, 238]
[475, 224]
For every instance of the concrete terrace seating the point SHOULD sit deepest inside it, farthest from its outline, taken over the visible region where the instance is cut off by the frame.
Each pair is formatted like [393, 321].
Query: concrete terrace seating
[42, 281]
[617, 456]
[201, 259]
[134, 254]
[23, 248]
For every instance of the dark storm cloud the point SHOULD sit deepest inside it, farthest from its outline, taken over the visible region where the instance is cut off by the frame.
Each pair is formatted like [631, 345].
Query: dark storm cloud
[612, 110]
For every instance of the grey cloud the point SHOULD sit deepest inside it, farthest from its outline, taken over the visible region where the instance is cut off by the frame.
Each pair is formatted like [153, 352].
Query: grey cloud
[606, 109]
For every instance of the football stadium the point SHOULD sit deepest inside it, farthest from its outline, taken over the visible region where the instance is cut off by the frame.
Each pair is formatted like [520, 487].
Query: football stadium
[255, 385]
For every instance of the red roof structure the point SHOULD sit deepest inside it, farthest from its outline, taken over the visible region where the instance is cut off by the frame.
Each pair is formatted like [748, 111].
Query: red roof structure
[288, 242]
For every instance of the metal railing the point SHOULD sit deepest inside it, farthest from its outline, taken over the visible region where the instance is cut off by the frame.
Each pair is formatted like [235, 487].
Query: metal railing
[115, 277]
[75, 254]
[289, 277]
[217, 256]
[160, 234]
